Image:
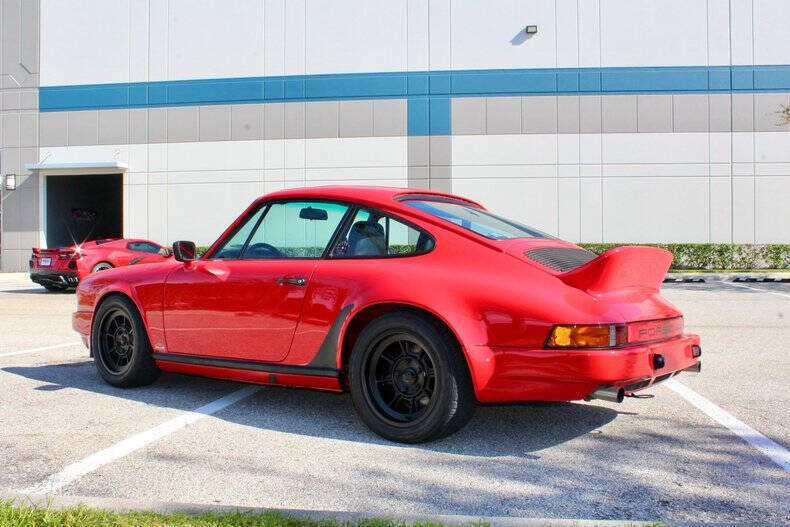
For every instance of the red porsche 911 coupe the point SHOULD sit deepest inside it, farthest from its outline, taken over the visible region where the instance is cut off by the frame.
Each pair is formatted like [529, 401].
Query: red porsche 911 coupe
[64, 267]
[420, 304]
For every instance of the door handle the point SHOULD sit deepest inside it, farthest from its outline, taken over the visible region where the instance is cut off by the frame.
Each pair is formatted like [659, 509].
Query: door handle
[292, 280]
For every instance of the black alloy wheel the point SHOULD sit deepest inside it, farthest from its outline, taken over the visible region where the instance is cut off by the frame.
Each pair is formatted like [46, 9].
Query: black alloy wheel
[409, 379]
[121, 351]
[401, 379]
[116, 344]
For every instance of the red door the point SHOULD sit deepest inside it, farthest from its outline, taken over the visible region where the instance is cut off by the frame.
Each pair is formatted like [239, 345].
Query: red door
[239, 309]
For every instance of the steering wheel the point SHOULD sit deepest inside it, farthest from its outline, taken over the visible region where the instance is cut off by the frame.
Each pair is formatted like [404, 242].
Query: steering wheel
[263, 250]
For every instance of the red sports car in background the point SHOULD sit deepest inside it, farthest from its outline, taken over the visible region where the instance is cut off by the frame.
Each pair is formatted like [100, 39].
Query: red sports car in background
[64, 267]
[420, 304]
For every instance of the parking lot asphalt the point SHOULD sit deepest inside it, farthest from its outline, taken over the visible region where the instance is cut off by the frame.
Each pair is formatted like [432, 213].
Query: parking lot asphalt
[660, 458]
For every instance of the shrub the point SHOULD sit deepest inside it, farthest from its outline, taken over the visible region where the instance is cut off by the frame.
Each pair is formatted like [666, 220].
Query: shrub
[716, 256]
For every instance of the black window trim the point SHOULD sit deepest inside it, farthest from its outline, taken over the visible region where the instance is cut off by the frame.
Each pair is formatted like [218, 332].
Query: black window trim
[347, 225]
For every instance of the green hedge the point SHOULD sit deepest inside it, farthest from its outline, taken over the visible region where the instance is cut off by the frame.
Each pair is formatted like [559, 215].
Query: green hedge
[707, 256]
[716, 256]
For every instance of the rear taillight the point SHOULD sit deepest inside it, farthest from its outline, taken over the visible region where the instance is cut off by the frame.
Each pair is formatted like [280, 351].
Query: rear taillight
[69, 256]
[598, 336]
[614, 335]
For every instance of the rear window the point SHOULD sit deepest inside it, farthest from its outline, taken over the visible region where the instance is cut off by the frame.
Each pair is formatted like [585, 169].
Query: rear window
[477, 220]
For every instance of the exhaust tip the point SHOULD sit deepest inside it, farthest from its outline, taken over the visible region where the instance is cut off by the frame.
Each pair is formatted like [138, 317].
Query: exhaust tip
[612, 394]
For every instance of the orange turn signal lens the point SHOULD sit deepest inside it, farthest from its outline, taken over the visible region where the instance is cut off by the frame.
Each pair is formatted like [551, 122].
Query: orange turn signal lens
[606, 336]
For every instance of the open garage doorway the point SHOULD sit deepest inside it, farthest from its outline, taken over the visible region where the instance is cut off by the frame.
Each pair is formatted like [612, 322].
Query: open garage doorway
[83, 207]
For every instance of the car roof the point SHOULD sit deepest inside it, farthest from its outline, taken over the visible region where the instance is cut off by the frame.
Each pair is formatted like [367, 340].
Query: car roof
[383, 196]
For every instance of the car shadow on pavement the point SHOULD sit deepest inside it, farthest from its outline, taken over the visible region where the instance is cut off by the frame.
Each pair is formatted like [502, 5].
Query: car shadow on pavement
[37, 291]
[501, 430]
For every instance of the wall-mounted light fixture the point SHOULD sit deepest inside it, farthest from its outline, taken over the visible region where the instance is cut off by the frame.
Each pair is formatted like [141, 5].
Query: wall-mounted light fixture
[10, 181]
[531, 30]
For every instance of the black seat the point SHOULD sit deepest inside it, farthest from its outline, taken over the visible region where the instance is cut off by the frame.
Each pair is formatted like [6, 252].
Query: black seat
[367, 239]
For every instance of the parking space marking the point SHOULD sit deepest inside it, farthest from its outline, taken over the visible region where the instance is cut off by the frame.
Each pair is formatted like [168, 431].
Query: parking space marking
[776, 452]
[135, 442]
[34, 350]
[777, 293]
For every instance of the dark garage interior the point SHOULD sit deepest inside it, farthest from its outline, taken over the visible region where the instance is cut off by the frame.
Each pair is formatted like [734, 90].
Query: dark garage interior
[83, 207]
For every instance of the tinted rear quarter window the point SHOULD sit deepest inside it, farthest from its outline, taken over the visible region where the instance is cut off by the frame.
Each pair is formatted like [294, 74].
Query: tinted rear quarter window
[477, 220]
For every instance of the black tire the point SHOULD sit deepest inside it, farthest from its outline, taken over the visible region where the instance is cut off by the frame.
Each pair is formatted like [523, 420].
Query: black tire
[55, 288]
[409, 380]
[121, 350]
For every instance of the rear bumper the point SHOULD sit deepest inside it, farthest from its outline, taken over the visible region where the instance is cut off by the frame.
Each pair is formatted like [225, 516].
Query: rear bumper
[518, 374]
[55, 277]
[81, 323]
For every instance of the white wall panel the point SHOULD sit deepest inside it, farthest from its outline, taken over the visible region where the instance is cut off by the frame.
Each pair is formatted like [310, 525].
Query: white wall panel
[651, 33]
[223, 202]
[84, 42]
[743, 209]
[215, 155]
[718, 32]
[655, 148]
[138, 40]
[417, 52]
[439, 29]
[504, 149]
[771, 42]
[353, 175]
[655, 209]
[215, 39]
[489, 35]
[356, 36]
[158, 39]
[720, 210]
[136, 211]
[589, 34]
[771, 147]
[157, 214]
[295, 13]
[742, 32]
[567, 33]
[274, 37]
[772, 202]
[569, 214]
[505, 171]
[356, 152]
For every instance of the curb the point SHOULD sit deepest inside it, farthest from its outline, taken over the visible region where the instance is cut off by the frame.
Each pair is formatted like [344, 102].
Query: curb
[703, 277]
[167, 507]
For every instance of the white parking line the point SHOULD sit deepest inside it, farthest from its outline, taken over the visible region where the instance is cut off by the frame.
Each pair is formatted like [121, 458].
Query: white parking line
[770, 448]
[137, 441]
[34, 350]
[777, 293]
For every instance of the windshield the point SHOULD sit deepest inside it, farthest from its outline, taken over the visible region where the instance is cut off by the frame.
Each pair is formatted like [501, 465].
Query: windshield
[477, 220]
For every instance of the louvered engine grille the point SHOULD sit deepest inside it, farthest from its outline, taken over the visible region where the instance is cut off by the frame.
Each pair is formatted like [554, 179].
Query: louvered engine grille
[559, 258]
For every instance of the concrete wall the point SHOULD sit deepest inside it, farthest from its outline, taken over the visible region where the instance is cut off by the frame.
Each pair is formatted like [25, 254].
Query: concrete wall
[621, 120]
[19, 68]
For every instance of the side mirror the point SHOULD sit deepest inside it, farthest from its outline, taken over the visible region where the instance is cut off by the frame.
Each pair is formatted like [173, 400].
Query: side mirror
[184, 251]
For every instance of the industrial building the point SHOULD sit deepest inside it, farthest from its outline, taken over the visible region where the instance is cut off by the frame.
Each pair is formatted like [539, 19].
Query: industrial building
[593, 120]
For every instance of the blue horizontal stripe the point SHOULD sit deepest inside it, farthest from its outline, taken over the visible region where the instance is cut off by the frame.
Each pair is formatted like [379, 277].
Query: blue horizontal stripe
[429, 93]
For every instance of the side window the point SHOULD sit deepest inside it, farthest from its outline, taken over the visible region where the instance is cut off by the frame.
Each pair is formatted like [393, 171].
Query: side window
[231, 249]
[372, 234]
[143, 247]
[296, 229]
